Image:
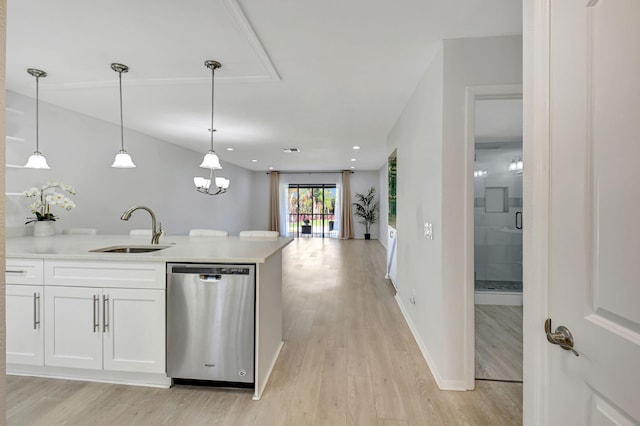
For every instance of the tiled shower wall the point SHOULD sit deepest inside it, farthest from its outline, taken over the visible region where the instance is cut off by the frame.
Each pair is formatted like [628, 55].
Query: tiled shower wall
[498, 244]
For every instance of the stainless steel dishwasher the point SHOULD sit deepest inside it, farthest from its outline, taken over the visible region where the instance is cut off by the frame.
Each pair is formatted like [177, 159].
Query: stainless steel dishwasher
[210, 322]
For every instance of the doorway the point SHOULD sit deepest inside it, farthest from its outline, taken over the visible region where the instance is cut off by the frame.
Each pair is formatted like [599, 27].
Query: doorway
[312, 210]
[496, 237]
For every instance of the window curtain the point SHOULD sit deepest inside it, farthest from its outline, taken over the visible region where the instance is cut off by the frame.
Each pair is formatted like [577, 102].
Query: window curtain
[338, 208]
[283, 190]
[346, 216]
[274, 202]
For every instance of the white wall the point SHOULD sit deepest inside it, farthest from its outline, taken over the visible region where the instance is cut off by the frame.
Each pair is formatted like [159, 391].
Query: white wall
[417, 136]
[361, 181]
[80, 150]
[468, 62]
[431, 144]
[260, 187]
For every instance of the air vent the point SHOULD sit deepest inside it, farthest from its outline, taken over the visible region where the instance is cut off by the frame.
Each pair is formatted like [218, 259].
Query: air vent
[291, 150]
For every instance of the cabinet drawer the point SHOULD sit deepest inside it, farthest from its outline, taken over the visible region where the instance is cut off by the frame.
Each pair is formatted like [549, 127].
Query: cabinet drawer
[105, 274]
[24, 271]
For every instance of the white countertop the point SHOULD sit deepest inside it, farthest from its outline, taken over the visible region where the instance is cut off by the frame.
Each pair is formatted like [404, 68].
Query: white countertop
[183, 248]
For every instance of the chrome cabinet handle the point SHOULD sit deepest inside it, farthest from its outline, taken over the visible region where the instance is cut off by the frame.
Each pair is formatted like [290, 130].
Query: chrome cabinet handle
[519, 226]
[105, 313]
[96, 324]
[15, 271]
[561, 337]
[36, 311]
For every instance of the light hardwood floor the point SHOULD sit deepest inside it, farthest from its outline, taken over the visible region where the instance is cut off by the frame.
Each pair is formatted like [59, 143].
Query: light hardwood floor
[348, 359]
[498, 342]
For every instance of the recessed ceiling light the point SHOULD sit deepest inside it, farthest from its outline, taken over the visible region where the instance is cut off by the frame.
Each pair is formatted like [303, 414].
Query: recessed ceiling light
[356, 147]
[229, 149]
[353, 159]
[291, 150]
[353, 167]
[254, 161]
[270, 168]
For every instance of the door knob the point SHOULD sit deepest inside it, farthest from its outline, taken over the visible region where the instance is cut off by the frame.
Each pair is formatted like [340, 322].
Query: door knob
[561, 337]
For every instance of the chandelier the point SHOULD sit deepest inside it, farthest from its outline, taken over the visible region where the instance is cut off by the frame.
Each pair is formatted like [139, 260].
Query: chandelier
[211, 160]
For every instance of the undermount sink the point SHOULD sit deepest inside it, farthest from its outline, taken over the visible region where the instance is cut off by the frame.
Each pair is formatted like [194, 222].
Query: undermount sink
[130, 249]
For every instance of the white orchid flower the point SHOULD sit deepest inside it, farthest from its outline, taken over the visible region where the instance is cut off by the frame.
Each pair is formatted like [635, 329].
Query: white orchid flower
[47, 196]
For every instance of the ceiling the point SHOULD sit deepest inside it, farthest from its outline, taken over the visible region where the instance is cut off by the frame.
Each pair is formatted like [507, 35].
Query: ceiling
[318, 76]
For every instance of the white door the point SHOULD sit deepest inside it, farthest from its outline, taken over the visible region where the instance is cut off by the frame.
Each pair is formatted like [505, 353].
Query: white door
[594, 211]
[25, 342]
[73, 337]
[134, 330]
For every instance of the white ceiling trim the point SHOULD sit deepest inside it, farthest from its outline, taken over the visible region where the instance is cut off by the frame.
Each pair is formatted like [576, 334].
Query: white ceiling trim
[252, 38]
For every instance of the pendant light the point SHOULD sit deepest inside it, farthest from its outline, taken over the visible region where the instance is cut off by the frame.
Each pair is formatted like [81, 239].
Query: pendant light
[516, 166]
[211, 160]
[37, 160]
[123, 159]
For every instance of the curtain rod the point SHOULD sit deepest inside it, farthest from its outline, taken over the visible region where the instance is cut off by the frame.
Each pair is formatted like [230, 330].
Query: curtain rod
[311, 173]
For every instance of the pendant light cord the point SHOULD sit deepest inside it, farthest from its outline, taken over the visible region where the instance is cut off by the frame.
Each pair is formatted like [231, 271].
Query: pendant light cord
[121, 119]
[213, 72]
[37, 114]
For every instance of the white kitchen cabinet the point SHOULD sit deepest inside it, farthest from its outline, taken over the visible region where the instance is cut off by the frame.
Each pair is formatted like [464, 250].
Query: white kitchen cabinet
[25, 341]
[72, 328]
[24, 292]
[105, 315]
[134, 335]
[105, 329]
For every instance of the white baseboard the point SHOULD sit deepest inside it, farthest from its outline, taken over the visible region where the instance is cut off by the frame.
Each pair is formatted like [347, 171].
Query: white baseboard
[443, 384]
[154, 380]
[498, 298]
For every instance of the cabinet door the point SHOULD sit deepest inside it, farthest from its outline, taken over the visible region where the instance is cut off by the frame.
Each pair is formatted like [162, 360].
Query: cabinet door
[25, 341]
[73, 336]
[134, 330]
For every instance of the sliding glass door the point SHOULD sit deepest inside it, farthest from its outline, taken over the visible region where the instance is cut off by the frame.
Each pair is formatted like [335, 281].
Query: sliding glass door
[312, 210]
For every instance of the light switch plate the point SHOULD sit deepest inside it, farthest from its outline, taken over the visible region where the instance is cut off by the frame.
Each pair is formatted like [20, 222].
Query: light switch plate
[428, 230]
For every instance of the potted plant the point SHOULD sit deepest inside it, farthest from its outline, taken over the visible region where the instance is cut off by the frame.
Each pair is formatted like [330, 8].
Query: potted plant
[50, 194]
[366, 208]
[306, 228]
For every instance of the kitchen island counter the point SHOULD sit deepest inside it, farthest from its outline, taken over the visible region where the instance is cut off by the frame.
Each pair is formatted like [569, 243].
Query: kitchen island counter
[181, 248]
[60, 279]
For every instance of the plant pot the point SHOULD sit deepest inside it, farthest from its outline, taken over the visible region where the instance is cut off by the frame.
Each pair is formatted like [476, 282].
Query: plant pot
[44, 228]
[367, 236]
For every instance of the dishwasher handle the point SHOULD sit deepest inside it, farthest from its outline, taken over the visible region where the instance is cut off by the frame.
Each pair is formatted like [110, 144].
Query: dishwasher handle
[210, 270]
[210, 278]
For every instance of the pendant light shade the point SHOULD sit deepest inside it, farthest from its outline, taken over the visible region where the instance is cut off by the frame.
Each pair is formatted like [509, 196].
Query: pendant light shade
[201, 182]
[37, 160]
[516, 166]
[211, 160]
[123, 159]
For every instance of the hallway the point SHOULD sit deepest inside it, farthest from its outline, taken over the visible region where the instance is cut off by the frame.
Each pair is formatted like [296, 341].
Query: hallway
[348, 358]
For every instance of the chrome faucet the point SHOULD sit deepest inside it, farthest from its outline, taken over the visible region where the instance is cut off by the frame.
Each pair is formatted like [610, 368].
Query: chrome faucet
[155, 233]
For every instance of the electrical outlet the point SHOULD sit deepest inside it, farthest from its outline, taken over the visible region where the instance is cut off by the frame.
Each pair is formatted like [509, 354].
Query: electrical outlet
[428, 230]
